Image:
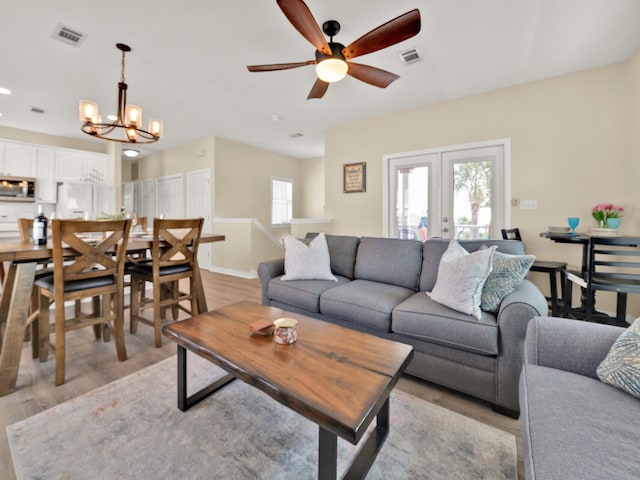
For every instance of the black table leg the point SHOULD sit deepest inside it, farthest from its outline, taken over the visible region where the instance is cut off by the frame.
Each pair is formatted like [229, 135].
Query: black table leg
[186, 402]
[364, 458]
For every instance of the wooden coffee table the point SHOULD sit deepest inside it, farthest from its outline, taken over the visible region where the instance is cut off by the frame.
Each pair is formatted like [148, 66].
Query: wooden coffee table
[338, 378]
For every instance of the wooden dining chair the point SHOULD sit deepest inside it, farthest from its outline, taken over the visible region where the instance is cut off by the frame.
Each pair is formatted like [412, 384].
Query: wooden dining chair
[614, 266]
[88, 262]
[551, 268]
[174, 254]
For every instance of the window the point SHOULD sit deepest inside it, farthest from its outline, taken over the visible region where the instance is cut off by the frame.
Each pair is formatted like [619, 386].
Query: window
[281, 201]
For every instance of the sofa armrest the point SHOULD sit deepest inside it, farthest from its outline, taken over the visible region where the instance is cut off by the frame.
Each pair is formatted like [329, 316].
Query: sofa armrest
[266, 271]
[571, 345]
[516, 311]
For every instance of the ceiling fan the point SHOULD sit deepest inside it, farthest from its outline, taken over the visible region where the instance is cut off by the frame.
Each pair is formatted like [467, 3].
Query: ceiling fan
[333, 59]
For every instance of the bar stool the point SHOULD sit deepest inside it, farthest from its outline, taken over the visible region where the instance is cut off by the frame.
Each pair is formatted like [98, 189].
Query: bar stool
[96, 271]
[551, 268]
[174, 253]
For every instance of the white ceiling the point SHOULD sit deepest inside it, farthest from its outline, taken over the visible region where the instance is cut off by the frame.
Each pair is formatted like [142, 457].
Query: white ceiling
[188, 64]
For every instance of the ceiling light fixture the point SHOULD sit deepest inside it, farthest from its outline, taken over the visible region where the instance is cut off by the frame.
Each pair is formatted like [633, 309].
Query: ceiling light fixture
[126, 127]
[5, 91]
[331, 68]
[130, 152]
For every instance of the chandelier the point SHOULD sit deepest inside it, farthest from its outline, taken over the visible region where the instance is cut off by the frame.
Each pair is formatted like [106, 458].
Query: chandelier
[127, 126]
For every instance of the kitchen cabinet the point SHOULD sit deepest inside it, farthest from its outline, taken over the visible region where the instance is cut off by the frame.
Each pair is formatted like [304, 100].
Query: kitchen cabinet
[76, 166]
[19, 159]
[68, 166]
[46, 185]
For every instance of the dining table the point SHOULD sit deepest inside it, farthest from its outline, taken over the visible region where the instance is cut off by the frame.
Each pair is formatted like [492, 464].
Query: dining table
[15, 301]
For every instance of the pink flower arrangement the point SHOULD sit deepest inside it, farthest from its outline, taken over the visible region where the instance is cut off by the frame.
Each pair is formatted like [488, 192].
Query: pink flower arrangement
[602, 211]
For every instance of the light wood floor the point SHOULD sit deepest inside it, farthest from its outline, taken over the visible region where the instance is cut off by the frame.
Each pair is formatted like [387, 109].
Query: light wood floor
[91, 363]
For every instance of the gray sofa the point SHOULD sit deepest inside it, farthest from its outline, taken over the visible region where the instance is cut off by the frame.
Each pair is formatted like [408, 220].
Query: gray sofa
[381, 290]
[574, 426]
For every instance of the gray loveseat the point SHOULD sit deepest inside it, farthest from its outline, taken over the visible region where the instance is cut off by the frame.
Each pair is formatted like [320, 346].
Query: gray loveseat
[381, 290]
[575, 427]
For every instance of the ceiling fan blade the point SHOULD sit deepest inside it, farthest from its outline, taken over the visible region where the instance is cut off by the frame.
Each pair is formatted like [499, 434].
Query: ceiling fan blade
[394, 31]
[302, 19]
[371, 75]
[318, 90]
[278, 66]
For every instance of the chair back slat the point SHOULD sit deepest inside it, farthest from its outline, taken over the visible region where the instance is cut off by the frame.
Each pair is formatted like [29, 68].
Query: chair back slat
[175, 241]
[615, 261]
[97, 249]
[25, 225]
[511, 234]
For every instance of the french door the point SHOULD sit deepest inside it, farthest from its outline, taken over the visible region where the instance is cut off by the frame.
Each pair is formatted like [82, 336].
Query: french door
[455, 192]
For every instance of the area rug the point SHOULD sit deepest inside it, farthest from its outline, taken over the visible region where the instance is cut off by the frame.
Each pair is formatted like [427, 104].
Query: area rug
[132, 429]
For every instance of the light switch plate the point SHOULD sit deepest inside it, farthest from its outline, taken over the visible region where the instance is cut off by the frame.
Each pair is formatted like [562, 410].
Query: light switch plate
[528, 204]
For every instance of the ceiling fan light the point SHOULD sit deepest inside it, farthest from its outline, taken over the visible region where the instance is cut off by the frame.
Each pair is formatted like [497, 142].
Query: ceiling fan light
[331, 70]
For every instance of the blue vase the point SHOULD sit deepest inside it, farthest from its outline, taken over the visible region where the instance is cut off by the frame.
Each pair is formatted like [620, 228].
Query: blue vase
[614, 223]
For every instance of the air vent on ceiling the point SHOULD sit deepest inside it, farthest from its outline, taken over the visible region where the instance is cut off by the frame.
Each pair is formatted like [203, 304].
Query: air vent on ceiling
[68, 35]
[37, 110]
[410, 56]
[297, 135]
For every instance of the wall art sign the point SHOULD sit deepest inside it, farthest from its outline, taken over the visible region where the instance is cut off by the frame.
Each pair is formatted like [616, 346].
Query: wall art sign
[355, 177]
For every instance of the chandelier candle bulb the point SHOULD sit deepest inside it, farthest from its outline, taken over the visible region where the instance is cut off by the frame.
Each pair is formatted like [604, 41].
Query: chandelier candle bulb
[88, 111]
[155, 127]
[133, 116]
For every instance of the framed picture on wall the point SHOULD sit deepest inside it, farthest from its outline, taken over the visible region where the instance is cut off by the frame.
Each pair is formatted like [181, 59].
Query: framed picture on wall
[355, 177]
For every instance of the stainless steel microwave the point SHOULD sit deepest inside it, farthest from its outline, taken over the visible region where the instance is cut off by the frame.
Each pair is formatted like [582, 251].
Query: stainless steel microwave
[17, 189]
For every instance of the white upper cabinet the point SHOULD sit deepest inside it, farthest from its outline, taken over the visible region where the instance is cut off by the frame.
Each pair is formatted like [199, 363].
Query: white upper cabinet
[76, 166]
[19, 159]
[68, 166]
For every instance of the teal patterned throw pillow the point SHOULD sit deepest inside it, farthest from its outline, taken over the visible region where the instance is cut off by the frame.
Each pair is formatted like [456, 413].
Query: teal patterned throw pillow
[507, 273]
[621, 367]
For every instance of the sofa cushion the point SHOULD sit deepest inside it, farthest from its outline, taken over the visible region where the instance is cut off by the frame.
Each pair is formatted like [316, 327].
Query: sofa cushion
[575, 427]
[421, 317]
[304, 261]
[461, 276]
[621, 366]
[303, 294]
[389, 260]
[434, 248]
[364, 302]
[507, 273]
[342, 250]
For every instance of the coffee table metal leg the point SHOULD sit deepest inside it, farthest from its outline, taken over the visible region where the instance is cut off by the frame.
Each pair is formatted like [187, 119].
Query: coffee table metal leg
[364, 458]
[186, 402]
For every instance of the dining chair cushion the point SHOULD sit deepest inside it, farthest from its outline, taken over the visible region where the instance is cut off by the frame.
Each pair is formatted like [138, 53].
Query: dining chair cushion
[148, 269]
[46, 282]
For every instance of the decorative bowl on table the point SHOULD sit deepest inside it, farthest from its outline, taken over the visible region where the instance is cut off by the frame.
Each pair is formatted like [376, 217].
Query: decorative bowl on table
[559, 229]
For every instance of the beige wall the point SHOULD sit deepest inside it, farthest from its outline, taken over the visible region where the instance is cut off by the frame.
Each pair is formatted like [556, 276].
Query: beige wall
[243, 180]
[312, 188]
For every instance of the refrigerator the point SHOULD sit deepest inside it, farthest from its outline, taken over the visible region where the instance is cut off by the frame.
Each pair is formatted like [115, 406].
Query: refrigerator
[85, 200]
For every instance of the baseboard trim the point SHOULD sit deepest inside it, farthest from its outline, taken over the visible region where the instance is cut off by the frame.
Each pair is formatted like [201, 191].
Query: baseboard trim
[234, 273]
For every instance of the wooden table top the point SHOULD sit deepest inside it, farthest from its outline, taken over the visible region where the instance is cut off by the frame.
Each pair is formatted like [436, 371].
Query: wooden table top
[336, 377]
[19, 251]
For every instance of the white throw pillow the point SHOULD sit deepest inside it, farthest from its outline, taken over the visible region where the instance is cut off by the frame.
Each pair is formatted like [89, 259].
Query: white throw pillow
[306, 262]
[461, 276]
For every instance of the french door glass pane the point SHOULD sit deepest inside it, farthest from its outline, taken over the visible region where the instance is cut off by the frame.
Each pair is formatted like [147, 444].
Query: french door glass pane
[412, 202]
[472, 196]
